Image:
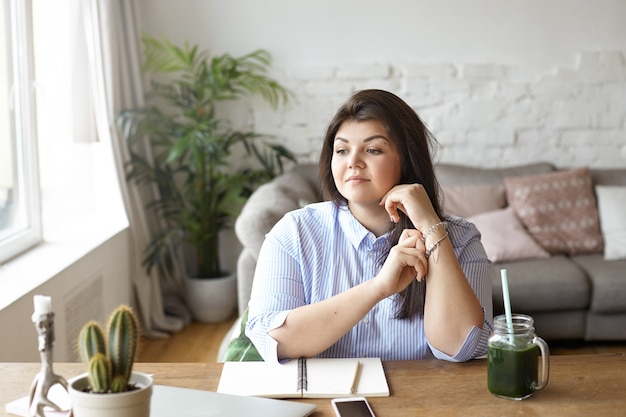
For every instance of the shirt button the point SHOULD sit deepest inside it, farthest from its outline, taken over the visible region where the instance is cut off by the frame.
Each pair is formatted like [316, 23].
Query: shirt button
[366, 321]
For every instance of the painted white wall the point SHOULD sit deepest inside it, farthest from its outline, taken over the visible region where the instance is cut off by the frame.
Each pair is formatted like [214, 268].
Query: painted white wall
[498, 82]
[328, 32]
[87, 289]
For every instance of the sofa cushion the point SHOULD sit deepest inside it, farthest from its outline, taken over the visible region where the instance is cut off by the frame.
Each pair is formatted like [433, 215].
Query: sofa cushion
[268, 204]
[611, 208]
[541, 285]
[452, 174]
[310, 172]
[469, 200]
[608, 280]
[246, 264]
[505, 238]
[605, 327]
[608, 176]
[560, 325]
[558, 209]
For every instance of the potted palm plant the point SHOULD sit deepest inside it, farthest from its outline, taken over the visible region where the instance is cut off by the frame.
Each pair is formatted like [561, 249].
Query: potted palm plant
[203, 169]
[110, 387]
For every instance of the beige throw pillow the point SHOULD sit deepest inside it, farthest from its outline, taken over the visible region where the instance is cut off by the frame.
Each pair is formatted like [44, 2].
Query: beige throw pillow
[504, 237]
[469, 200]
[558, 209]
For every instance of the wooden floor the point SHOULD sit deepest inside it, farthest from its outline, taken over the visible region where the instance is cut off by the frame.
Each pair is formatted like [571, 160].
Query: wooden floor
[200, 343]
[197, 342]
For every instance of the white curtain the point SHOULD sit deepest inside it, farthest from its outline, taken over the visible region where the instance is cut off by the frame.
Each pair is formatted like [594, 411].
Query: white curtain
[116, 84]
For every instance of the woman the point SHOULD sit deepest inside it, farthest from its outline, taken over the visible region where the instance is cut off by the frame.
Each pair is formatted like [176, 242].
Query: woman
[378, 270]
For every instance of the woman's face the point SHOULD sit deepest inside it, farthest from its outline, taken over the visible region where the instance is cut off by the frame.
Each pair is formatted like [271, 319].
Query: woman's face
[365, 163]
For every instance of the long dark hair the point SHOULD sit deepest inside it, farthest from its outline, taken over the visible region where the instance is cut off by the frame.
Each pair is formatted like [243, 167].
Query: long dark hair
[414, 143]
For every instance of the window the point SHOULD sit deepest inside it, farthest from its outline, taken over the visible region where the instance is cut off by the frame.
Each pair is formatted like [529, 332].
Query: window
[20, 225]
[56, 176]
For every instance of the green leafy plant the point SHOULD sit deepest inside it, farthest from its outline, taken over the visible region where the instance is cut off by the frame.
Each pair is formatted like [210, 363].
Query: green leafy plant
[192, 148]
[110, 359]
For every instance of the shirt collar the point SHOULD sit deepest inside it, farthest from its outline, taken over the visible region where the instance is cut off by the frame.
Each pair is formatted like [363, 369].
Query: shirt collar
[354, 231]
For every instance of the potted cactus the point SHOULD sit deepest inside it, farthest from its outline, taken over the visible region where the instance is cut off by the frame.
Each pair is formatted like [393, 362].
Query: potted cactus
[110, 383]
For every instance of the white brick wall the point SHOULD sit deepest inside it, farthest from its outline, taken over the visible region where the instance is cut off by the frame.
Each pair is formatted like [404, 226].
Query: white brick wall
[482, 114]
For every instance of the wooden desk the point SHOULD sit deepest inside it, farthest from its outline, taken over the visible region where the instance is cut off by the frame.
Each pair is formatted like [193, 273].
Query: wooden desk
[580, 385]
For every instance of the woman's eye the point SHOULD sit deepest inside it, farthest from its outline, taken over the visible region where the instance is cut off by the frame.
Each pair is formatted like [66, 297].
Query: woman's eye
[340, 151]
[374, 151]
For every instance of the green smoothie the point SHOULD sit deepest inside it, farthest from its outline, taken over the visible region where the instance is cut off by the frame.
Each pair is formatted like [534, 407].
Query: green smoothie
[512, 372]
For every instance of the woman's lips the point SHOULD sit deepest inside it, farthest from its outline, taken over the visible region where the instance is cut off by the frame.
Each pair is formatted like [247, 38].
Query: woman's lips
[356, 179]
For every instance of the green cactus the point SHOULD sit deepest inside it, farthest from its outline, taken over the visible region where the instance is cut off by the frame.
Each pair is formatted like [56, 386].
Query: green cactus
[99, 373]
[91, 341]
[123, 337]
[110, 361]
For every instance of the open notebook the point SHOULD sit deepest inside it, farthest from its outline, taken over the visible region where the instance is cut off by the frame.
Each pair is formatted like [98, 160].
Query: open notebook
[306, 378]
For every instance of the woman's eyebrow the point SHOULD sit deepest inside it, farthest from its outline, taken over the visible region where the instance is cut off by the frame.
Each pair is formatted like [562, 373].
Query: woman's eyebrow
[370, 138]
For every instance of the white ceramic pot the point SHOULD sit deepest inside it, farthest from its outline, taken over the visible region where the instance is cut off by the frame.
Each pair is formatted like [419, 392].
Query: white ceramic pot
[134, 403]
[211, 300]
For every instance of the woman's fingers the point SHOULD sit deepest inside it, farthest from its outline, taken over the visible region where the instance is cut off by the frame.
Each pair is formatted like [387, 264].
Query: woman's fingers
[412, 260]
[409, 253]
[392, 206]
[413, 201]
[408, 236]
[406, 262]
[398, 197]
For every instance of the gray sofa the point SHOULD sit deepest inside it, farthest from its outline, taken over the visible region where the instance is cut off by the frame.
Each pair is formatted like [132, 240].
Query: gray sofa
[580, 297]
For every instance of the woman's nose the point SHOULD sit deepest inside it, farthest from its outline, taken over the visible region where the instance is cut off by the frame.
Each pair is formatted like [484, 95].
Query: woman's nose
[355, 161]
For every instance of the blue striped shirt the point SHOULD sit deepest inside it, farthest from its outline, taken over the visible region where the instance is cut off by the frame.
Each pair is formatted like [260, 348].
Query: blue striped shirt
[321, 250]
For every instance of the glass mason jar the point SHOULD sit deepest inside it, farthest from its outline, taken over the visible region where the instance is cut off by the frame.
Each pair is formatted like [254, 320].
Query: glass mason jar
[513, 358]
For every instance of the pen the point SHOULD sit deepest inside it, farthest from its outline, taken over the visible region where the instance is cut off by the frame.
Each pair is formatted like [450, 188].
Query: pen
[355, 378]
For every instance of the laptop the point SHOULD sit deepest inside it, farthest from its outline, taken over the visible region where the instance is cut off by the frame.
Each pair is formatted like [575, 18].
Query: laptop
[184, 402]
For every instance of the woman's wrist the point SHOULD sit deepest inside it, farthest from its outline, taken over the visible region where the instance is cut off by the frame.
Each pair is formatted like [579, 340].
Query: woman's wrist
[433, 229]
[432, 238]
[427, 223]
[379, 288]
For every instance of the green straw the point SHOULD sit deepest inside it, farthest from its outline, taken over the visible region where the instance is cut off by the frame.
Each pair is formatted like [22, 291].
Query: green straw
[507, 300]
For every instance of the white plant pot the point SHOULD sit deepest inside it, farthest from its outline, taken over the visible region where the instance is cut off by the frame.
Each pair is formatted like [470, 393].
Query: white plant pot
[211, 300]
[134, 403]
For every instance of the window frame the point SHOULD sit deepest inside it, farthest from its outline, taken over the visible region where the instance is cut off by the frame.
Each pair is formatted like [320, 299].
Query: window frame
[26, 199]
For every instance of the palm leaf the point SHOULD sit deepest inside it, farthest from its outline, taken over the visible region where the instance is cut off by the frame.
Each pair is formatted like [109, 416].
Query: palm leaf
[179, 146]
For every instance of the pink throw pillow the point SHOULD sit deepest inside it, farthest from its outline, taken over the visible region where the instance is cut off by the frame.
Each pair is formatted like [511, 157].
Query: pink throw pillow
[469, 200]
[558, 209]
[504, 237]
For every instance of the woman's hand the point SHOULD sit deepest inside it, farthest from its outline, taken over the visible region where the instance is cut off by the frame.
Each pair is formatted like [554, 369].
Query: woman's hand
[406, 261]
[413, 201]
